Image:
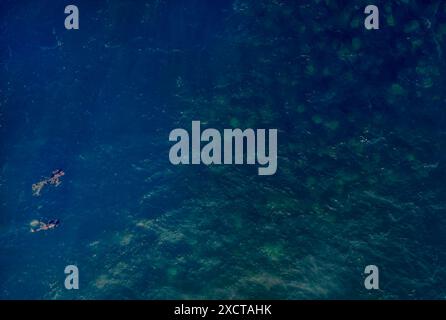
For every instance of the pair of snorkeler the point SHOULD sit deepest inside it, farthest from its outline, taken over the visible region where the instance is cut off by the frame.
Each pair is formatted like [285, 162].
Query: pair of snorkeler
[54, 179]
[37, 226]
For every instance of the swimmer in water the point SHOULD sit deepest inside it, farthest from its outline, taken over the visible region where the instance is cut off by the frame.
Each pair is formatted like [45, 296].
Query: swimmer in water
[54, 180]
[37, 226]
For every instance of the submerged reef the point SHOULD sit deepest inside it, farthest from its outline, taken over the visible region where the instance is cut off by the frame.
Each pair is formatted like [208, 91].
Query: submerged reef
[357, 181]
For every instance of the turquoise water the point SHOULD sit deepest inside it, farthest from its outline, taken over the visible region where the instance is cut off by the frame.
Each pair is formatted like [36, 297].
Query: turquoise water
[361, 162]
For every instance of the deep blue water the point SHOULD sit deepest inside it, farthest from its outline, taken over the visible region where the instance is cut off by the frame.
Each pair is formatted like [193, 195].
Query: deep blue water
[361, 167]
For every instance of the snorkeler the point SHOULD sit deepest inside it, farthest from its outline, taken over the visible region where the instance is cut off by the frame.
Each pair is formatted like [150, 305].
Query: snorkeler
[37, 225]
[54, 180]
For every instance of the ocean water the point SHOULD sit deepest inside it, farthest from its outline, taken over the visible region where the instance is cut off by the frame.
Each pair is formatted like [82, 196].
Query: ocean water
[361, 162]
